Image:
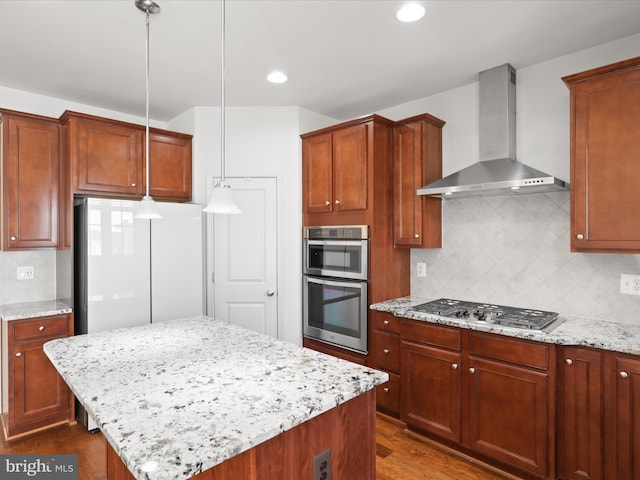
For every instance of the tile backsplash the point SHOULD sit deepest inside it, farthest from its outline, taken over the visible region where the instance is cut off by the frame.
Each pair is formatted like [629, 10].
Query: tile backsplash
[514, 250]
[43, 285]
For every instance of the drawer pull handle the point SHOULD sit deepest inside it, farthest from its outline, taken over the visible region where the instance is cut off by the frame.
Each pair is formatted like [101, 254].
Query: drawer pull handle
[472, 370]
[41, 328]
[386, 351]
[18, 354]
[385, 389]
[624, 375]
[386, 322]
[569, 361]
[454, 366]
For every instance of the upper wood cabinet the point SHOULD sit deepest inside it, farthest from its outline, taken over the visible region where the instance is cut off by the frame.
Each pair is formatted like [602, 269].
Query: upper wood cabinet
[107, 157]
[335, 170]
[605, 158]
[30, 150]
[417, 161]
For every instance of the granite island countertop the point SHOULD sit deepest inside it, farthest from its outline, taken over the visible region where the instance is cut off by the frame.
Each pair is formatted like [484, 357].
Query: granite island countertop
[44, 308]
[581, 331]
[177, 398]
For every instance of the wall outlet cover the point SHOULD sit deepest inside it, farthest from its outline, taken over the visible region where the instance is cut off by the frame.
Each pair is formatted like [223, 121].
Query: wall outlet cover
[26, 273]
[630, 284]
[322, 465]
[421, 269]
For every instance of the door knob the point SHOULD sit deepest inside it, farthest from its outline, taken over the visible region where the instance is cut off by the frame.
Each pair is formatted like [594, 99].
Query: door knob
[270, 293]
[580, 236]
[472, 370]
[13, 238]
[454, 366]
[624, 375]
[417, 235]
[569, 361]
[337, 202]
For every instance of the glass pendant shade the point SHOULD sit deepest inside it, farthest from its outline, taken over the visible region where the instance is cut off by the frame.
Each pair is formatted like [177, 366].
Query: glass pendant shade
[221, 200]
[147, 209]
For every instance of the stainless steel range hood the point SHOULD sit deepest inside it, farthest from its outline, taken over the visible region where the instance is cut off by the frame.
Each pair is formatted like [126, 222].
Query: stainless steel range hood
[497, 172]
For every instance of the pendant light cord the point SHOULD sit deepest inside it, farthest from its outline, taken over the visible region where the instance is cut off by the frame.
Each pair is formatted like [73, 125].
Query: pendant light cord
[147, 110]
[222, 102]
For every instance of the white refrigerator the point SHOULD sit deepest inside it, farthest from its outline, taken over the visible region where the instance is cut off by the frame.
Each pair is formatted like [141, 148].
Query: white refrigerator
[130, 272]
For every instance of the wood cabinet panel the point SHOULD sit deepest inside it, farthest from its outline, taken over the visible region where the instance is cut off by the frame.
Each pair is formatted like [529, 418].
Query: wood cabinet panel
[36, 396]
[385, 351]
[580, 414]
[385, 322]
[509, 415]
[350, 158]
[417, 161]
[317, 174]
[30, 181]
[511, 350]
[335, 351]
[605, 158]
[170, 166]
[388, 395]
[624, 458]
[430, 334]
[431, 390]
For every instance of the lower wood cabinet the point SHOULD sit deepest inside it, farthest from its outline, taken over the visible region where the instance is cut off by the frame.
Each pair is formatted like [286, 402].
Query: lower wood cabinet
[384, 354]
[34, 395]
[487, 394]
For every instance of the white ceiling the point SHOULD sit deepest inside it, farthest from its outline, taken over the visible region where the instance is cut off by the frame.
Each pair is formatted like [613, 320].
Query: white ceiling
[344, 58]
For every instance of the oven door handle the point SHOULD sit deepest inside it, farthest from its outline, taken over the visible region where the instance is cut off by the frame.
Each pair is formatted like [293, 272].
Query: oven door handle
[336, 283]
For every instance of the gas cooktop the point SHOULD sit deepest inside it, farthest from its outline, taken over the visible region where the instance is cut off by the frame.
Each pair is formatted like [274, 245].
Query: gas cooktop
[514, 317]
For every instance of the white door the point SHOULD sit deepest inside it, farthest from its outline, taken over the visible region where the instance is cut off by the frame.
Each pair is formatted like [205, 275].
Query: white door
[245, 258]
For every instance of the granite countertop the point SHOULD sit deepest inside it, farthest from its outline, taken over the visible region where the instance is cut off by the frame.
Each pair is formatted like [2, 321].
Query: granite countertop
[177, 398]
[20, 311]
[587, 332]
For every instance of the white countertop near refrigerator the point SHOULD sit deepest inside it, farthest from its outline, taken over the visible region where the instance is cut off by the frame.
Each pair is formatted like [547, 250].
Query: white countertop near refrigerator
[588, 332]
[44, 308]
[184, 395]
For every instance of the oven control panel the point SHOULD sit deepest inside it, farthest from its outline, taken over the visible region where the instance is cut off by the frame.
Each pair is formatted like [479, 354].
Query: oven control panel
[342, 232]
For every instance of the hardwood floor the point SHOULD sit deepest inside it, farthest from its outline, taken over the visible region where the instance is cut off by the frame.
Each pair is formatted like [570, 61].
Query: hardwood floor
[399, 455]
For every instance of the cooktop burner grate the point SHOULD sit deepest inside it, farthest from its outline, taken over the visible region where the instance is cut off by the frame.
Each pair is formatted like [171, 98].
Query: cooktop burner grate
[522, 318]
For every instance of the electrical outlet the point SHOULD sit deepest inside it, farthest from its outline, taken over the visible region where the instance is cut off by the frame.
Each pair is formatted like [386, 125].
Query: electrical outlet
[630, 284]
[421, 269]
[26, 273]
[322, 466]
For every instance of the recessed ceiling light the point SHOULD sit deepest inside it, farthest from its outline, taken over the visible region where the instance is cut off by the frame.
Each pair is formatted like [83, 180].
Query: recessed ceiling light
[277, 77]
[410, 12]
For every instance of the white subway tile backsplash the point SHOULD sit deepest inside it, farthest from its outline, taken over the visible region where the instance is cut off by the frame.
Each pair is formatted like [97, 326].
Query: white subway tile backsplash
[514, 250]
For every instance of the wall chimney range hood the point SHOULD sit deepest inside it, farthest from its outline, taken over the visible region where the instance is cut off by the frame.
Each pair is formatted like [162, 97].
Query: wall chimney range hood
[497, 172]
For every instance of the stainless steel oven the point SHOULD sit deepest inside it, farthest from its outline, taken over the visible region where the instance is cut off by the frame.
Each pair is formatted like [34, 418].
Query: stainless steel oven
[335, 286]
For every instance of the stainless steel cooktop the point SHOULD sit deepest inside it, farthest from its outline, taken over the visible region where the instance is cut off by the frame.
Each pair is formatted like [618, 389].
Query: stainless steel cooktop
[514, 317]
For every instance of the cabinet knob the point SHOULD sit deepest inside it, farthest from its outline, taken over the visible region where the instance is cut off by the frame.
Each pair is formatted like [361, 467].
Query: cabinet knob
[624, 375]
[385, 389]
[569, 361]
[133, 184]
[337, 202]
[386, 322]
[417, 235]
[41, 328]
[472, 370]
[327, 202]
[13, 238]
[386, 351]
[580, 236]
[18, 354]
[454, 366]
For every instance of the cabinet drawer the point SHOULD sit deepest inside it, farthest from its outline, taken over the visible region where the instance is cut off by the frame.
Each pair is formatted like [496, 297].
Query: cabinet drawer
[386, 351]
[388, 394]
[430, 334]
[386, 322]
[507, 349]
[43, 327]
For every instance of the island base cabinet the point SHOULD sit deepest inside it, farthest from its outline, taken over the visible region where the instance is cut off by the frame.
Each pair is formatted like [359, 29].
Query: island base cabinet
[348, 430]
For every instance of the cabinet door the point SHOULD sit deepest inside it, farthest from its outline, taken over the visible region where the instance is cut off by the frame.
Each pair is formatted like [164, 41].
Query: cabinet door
[407, 177]
[430, 394]
[317, 174]
[38, 390]
[350, 168]
[31, 156]
[170, 167]
[627, 388]
[580, 414]
[109, 159]
[606, 163]
[385, 351]
[508, 416]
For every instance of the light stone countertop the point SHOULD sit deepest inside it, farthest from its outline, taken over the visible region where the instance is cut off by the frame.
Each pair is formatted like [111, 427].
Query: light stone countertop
[185, 395]
[45, 308]
[587, 332]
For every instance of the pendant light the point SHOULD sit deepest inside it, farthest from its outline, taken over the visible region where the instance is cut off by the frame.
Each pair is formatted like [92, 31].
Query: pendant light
[221, 200]
[147, 209]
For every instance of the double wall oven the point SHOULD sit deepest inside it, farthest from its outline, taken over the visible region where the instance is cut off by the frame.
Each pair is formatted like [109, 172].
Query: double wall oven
[335, 280]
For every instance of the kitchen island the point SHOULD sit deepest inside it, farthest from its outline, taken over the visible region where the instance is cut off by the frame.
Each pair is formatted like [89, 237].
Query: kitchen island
[200, 398]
